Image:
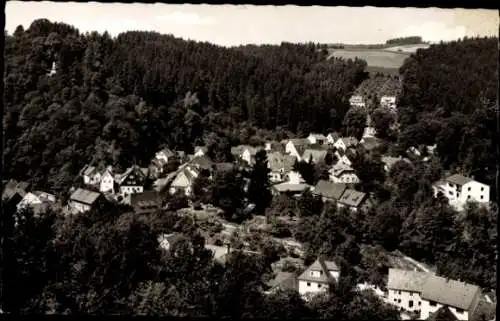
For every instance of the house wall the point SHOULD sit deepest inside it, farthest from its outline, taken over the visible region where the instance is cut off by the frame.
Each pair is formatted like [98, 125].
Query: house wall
[311, 139]
[369, 132]
[275, 177]
[79, 207]
[246, 156]
[311, 287]
[290, 149]
[294, 178]
[427, 309]
[107, 183]
[330, 140]
[402, 299]
[199, 153]
[475, 191]
[345, 178]
[339, 144]
[94, 179]
[131, 189]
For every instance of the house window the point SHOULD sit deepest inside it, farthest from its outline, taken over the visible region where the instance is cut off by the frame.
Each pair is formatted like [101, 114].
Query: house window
[481, 196]
[468, 197]
[399, 292]
[482, 189]
[432, 303]
[399, 300]
[419, 303]
[319, 286]
[468, 189]
[459, 310]
[308, 284]
[395, 300]
[410, 304]
[411, 293]
[450, 192]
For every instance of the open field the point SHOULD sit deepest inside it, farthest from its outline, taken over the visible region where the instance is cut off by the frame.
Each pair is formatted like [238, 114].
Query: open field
[408, 48]
[375, 58]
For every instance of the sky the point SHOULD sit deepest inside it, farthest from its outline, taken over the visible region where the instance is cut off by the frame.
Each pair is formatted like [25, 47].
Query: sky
[230, 25]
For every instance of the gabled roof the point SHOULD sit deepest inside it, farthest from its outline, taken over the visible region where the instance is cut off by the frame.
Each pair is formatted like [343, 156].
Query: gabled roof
[203, 162]
[318, 136]
[458, 179]
[43, 196]
[299, 141]
[323, 266]
[370, 143]
[449, 292]
[189, 173]
[284, 280]
[329, 189]
[12, 187]
[278, 161]
[89, 170]
[406, 280]
[167, 152]
[201, 148]
[349, 141]
[340, 168]
[84, 196]
[133, 169]
[317, 155]
[287, 187]
[352, 197]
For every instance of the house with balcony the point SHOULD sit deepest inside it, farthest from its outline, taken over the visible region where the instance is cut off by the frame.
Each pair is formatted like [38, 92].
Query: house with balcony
[459, 190]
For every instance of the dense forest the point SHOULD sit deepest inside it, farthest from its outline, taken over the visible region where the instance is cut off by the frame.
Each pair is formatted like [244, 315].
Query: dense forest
[405, 41]
[118, 100]
[449, 98]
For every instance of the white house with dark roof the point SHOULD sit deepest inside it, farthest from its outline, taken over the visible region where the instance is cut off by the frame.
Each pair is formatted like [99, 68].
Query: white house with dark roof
[460, 297]
[404, 288]
[132, 181]
[280, 165]
[318, 277]
[345, 142]
[343, 173]
[91, 175]
[107, 184]
[459, 189]
[427, 293]
[83, 200]
[184, 180]
[316, 138]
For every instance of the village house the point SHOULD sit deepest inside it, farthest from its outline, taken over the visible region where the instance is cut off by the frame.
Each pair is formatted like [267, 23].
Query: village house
[91, 175]
[390, 161]
[280, 165]
[357, 101]
[329, 191]
[245, 153]
[83, 200]
[296, 147]
[354, 200]
[331, 138]
[344, 159]
[39, 201]
[200, 151]
[388, 102]
[316, 138]
[314, 155]
[343, 173]
[426, 293]
[318, 277]
[107, 184]
[345, 142]
[161, 159]
[369, 130]
[132, 181]
[290, 189]
[274, 146]
[145, 202]
[184, 180]
[459, 190]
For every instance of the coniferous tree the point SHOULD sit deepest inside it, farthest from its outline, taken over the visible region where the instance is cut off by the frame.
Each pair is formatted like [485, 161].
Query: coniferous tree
[259, 191]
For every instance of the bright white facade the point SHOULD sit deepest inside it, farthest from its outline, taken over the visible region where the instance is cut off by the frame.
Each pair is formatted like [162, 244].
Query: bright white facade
[342, 173]
[107, 182]
[388, 101]
[290, 149]
[357, 101]
[331, 139]
[459, 190]
[318, 277]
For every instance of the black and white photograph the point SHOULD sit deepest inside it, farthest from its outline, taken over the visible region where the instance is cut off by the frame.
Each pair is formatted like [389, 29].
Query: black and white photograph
[249, 161]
